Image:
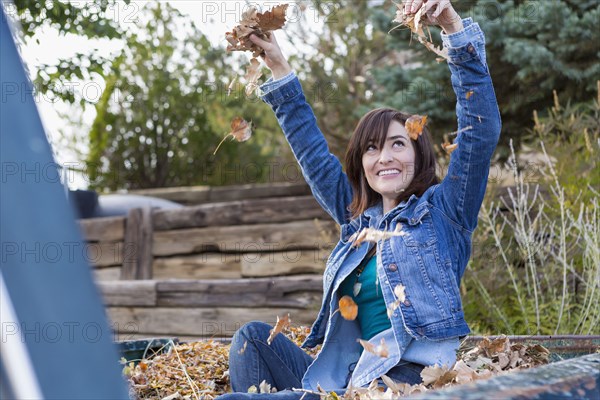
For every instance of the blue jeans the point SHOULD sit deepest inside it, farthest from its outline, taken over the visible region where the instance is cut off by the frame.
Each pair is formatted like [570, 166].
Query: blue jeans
[281, 364]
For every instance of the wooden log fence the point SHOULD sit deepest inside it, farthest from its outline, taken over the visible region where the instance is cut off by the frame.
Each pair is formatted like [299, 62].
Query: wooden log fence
[206, 269]
[201, 308]
[221, 240]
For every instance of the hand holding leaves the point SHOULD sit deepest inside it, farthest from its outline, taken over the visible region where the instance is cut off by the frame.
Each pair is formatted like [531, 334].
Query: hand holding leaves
[273, 56]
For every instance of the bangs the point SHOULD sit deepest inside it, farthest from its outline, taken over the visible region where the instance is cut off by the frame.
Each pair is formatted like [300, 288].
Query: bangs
[374, 126]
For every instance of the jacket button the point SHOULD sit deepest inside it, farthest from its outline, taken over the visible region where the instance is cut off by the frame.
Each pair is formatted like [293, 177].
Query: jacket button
[406, 303]
[393, 267]
[471, 49]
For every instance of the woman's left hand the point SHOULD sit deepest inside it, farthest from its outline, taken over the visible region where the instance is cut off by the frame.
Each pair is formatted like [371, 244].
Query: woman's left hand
[439, 12]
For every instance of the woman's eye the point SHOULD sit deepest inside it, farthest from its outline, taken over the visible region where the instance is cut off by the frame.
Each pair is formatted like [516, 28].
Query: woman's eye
[398, 143]
[371, 147]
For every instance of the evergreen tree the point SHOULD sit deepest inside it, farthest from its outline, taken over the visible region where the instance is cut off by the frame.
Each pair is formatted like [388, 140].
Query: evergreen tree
[532, 48]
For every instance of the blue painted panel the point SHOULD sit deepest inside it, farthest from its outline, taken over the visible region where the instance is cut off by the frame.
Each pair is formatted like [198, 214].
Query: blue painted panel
[43, 257]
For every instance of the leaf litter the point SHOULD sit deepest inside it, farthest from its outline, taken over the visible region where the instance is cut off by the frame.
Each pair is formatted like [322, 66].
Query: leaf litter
[200, 369]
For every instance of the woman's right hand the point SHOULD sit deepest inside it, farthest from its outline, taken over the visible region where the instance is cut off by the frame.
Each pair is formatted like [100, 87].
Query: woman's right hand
[273, 57]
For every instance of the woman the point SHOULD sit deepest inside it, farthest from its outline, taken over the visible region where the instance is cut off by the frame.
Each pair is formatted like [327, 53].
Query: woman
[390, 184]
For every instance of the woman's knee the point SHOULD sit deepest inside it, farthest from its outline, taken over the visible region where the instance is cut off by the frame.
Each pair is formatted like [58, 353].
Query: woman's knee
[247, 334]
[254, 330]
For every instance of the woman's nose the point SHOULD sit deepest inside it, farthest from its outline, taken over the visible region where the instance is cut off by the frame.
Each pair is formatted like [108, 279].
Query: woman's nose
[385, 156]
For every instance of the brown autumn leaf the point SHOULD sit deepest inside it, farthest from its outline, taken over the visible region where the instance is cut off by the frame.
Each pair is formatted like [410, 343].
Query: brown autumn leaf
[493, 347]
[253, 74]
[437, 376]
[348, 308]
[261, 25]
[241, 130]
[414, 126]
[465, 373]
[273, 19]
[469, 94]
[282, 323]
[414, 22]
[449, 147]
[380, 350]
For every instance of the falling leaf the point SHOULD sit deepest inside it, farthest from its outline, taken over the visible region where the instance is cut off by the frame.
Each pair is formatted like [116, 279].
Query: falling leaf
[381, 350]
[373, 235]
[253, 74]
[348, 308]
[455, 133]
[231, 85]
[469, 94]
[399, 292]
[449, 148]
[241, 130]
[281, 324]
[243, 349]
[414, 125]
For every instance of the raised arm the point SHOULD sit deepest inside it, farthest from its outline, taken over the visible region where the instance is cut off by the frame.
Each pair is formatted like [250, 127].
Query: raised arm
[463, 188]
[321, 169]
[461, 192]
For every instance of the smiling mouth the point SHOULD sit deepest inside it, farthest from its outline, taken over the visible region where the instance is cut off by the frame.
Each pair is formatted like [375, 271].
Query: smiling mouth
[388, 172]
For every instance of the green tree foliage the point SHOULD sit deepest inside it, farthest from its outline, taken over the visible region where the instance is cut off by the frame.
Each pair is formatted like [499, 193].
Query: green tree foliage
[158, 121]
[336, 74]
[90, 19]
[533, 47]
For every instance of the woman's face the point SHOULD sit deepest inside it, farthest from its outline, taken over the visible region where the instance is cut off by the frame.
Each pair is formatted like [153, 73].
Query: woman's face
[390, 170]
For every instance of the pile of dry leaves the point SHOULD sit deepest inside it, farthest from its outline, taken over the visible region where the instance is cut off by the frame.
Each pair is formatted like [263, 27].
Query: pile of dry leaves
[193, 371]
[199, 370]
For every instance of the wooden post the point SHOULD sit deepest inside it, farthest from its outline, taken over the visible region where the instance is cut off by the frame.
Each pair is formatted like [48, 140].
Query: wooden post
[137, 247]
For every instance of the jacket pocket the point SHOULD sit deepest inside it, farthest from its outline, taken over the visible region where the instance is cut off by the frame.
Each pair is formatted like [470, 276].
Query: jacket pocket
[418, 229]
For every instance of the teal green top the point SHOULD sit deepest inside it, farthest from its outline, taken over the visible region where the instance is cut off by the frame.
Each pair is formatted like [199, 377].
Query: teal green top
[372, 312]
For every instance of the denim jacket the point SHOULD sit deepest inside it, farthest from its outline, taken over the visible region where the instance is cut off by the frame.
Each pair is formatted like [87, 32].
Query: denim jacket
[430, 259]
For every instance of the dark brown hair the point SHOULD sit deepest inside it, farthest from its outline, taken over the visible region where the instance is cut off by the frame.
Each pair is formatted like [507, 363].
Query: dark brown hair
[373, 128]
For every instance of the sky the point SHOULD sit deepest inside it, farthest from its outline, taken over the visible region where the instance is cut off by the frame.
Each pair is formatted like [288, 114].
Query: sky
[214, 18]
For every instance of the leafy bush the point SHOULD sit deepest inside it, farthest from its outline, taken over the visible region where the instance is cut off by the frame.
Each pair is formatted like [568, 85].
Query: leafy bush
[537, 248]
